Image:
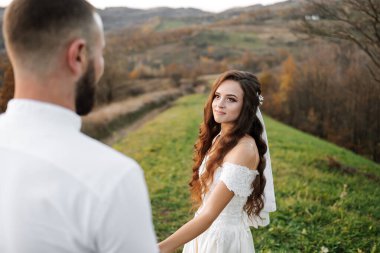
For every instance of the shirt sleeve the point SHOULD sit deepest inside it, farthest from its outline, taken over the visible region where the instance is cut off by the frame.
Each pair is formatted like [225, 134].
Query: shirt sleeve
[124, 220]
[238, 179]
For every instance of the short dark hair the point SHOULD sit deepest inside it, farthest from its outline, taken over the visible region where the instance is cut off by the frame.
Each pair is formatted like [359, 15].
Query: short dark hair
[38, 28]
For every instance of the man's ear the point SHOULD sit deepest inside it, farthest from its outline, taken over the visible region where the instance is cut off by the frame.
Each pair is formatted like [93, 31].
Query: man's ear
[76, 56]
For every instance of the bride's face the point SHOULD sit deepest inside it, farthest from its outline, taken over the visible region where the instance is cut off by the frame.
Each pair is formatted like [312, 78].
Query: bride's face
[227, 102]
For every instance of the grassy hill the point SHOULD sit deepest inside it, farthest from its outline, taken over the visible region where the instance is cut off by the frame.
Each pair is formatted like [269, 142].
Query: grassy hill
[323, 205]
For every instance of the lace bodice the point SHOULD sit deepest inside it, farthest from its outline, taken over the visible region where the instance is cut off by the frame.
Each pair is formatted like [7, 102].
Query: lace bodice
[238, 179]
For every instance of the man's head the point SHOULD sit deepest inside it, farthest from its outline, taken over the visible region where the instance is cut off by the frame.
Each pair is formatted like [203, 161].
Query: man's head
[54, 39]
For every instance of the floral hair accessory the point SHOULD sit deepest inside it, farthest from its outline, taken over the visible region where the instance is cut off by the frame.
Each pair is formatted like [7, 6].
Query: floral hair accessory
[261, 99]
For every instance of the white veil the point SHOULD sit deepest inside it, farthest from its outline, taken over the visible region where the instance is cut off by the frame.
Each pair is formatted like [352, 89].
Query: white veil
[269, 198]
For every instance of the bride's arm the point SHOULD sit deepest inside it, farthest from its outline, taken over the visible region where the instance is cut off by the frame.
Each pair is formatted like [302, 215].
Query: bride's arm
[218, 200]
[242, 154]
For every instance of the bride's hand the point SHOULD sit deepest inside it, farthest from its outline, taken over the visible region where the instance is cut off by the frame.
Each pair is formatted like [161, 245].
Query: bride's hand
[163, 249]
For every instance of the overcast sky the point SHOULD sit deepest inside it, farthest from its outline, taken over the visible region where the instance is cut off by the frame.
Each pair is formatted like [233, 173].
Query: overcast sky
[207, 5]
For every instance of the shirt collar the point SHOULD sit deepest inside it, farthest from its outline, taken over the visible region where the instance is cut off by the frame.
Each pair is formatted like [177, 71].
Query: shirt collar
[46, 113]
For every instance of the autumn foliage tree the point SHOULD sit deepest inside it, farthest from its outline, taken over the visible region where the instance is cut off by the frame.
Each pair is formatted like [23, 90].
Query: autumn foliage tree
[7, 85]
[356, 21]
[328, 92]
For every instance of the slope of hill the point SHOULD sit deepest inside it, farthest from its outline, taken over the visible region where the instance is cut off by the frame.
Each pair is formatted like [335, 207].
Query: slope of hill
[188, 47]
[122, 17]
[116, 18]
[323, 205]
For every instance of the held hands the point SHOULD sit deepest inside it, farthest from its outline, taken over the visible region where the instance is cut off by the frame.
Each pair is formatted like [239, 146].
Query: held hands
[217, 201]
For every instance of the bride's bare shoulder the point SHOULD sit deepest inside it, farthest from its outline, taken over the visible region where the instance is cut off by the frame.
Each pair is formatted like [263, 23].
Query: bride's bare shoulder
[245, 153]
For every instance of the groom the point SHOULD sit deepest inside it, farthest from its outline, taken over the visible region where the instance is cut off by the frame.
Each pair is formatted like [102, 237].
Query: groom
[61, 191]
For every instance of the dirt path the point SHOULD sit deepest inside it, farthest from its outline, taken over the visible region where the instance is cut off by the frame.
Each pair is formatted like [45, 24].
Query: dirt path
[123, 132]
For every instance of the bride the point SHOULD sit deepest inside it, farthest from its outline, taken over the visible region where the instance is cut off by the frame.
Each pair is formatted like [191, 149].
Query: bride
[232, 184]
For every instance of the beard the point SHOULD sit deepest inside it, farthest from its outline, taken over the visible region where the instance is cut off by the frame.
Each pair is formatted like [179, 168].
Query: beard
[85, 91]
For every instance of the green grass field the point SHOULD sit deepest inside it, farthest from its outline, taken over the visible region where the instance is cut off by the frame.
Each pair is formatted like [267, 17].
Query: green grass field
[319, 209]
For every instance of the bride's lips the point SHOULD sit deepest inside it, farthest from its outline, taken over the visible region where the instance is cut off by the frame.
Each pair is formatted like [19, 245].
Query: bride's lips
[219, 112]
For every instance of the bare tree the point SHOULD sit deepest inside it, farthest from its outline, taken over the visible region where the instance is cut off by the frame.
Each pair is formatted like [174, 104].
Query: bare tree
[357, 21]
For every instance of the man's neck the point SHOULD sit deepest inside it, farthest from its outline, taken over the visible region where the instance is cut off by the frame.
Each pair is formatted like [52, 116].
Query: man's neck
[50, 91]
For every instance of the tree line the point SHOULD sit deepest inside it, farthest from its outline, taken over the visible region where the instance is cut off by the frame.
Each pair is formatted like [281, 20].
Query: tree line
[331, 88]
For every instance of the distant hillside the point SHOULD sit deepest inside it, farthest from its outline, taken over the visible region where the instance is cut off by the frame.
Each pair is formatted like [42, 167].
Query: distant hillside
[238, 10]
[118, 18]
[121, 17]
[186, 42]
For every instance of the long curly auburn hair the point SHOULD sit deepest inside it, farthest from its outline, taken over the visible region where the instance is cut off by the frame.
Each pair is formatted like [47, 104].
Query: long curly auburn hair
[247, 123]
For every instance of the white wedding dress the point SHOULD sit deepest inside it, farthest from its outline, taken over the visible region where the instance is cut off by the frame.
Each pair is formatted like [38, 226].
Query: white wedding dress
[230, 232]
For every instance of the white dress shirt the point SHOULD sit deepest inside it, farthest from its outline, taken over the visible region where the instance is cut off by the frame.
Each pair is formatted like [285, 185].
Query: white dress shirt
[61, 191]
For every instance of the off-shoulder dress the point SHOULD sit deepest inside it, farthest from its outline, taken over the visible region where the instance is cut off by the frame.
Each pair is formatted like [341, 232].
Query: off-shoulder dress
[230, 232]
